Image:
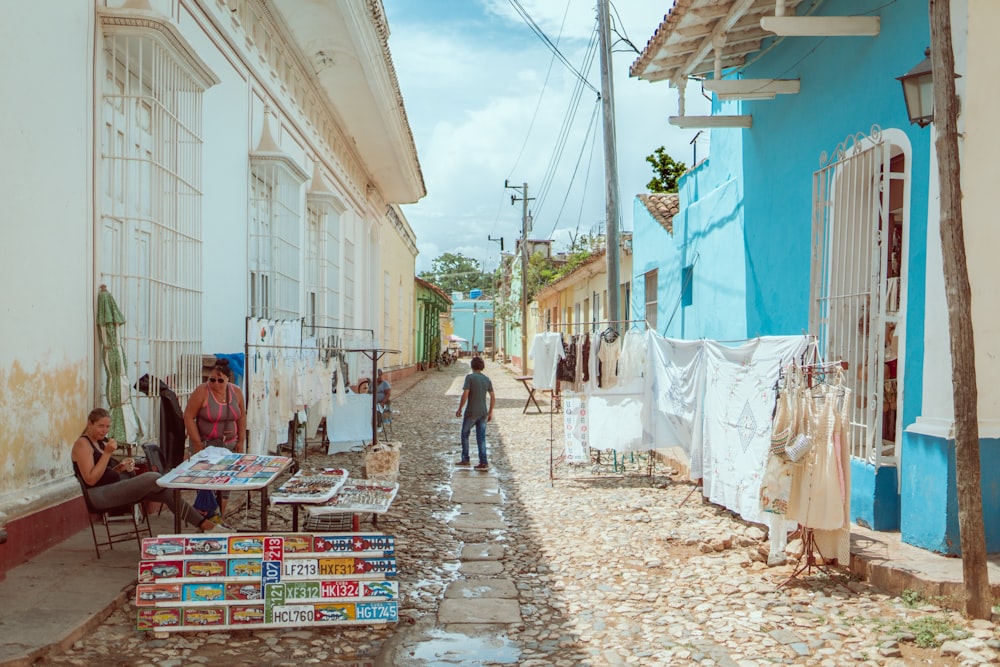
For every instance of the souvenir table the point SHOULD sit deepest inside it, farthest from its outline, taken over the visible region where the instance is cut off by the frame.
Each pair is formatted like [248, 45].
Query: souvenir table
[358, 497]
[309, 487]
[216, 469]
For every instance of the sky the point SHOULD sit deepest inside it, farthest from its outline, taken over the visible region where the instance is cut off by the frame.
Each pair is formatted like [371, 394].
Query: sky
[489, 102]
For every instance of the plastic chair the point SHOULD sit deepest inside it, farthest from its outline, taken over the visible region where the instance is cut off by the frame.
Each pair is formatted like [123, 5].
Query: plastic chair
[140, 526]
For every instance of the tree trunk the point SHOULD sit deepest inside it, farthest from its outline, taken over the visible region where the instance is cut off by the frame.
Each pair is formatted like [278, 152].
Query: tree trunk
[958, 294]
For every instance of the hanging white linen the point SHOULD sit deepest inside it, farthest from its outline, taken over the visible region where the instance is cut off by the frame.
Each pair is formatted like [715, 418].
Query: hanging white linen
[351, 422]
[633, 360]
[546, 350]
[676, 374]
[616, 419]
[739, 397]
[575, 427]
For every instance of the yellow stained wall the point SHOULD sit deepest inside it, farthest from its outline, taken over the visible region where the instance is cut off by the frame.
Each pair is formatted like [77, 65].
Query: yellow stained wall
[42, 412]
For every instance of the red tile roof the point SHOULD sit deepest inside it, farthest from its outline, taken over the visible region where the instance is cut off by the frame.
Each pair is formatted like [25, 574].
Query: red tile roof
[663, 207]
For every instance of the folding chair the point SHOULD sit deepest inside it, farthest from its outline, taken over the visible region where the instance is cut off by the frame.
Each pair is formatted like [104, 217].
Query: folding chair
[116, 515]
[385, 420]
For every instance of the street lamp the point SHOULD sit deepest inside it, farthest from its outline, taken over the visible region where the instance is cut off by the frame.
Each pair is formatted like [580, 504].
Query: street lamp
[918, 91]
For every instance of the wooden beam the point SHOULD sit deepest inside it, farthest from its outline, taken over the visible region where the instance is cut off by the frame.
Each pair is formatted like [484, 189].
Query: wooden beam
[704, 122]
[821, 26]
[738, 9]
[751, 89]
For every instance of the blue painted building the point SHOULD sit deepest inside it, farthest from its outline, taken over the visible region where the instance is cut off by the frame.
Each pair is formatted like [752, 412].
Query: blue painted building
[811, 215]
[472, 319]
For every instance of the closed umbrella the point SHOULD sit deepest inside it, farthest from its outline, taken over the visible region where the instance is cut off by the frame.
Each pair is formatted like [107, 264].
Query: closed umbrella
[125, 424]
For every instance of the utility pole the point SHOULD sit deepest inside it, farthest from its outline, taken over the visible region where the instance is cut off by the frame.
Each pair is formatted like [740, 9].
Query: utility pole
[958, 295]
[524, 199]
[610, 161]
[497, 309]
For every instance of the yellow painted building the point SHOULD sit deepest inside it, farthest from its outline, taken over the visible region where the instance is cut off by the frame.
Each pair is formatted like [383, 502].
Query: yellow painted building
[578, 302]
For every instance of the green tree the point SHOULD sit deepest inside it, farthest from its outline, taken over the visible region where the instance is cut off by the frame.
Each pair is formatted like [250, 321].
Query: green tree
[666, 170]
[454, 272]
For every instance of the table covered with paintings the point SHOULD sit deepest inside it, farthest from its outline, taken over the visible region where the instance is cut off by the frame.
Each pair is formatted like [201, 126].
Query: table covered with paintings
[217, 469]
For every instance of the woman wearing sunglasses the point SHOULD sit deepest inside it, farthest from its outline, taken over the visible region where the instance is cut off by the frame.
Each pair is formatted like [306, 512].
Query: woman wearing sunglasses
[216, 415]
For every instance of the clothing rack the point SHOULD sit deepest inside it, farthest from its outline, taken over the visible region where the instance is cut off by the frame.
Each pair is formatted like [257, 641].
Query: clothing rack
[325, 351]
[807, 561]
[594, 327]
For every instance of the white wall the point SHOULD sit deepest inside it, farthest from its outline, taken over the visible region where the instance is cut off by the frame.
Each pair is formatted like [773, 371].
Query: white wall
[46, 253]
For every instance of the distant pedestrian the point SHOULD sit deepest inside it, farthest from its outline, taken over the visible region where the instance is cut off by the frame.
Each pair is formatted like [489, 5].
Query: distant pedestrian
[474, 392]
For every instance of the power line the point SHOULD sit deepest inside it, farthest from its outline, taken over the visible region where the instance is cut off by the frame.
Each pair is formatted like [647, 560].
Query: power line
[516, 4]
[564, 131]
[541, 95]
[579, 159]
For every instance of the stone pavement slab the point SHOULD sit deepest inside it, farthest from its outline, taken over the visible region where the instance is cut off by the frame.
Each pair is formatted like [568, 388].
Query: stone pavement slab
[479, 610]
[477, 517]
[481, 552]
[481, 568]
[481, 588]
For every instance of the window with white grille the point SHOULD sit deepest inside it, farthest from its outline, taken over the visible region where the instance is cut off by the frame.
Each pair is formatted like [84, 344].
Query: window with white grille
[349, 283]
[322, 264]
[150, 228]
[275, 234]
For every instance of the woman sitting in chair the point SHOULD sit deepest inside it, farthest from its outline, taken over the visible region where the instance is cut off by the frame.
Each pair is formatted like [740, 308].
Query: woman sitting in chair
[113, 484]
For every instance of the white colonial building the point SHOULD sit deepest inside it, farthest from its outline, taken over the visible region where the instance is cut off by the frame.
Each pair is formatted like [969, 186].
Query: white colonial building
[207, 160]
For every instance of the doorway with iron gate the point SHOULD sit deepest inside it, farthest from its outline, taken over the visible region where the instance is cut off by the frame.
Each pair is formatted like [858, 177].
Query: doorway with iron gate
[857, 306]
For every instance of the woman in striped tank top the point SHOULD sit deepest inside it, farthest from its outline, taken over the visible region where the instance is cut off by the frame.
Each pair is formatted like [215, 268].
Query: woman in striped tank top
[216, 415]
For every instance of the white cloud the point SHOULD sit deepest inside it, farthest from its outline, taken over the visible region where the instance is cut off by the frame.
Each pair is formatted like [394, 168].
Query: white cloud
[471, 94]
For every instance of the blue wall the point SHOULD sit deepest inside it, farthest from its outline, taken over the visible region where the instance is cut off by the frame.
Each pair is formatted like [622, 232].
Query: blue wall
[746, 215]
[465, 313]
[848, 84]
[930, 496]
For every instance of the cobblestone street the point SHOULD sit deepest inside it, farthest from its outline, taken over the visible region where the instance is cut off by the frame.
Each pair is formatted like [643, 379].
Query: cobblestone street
[631, 570]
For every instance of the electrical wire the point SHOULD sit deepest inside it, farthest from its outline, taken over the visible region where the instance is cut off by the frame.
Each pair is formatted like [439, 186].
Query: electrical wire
[564, 132]
[589, 136]
[516, 4]
[541, 94]
[622, 37]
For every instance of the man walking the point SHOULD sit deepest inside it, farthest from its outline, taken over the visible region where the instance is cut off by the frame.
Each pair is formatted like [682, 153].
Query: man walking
[474, 392]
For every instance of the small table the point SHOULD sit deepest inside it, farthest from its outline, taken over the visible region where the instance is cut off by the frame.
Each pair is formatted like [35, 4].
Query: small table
[530, 388]
[358, 497]
[309, 488]
[227, 472]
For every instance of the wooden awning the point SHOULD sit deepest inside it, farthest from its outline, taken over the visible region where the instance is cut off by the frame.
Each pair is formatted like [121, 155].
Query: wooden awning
[686, 41]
